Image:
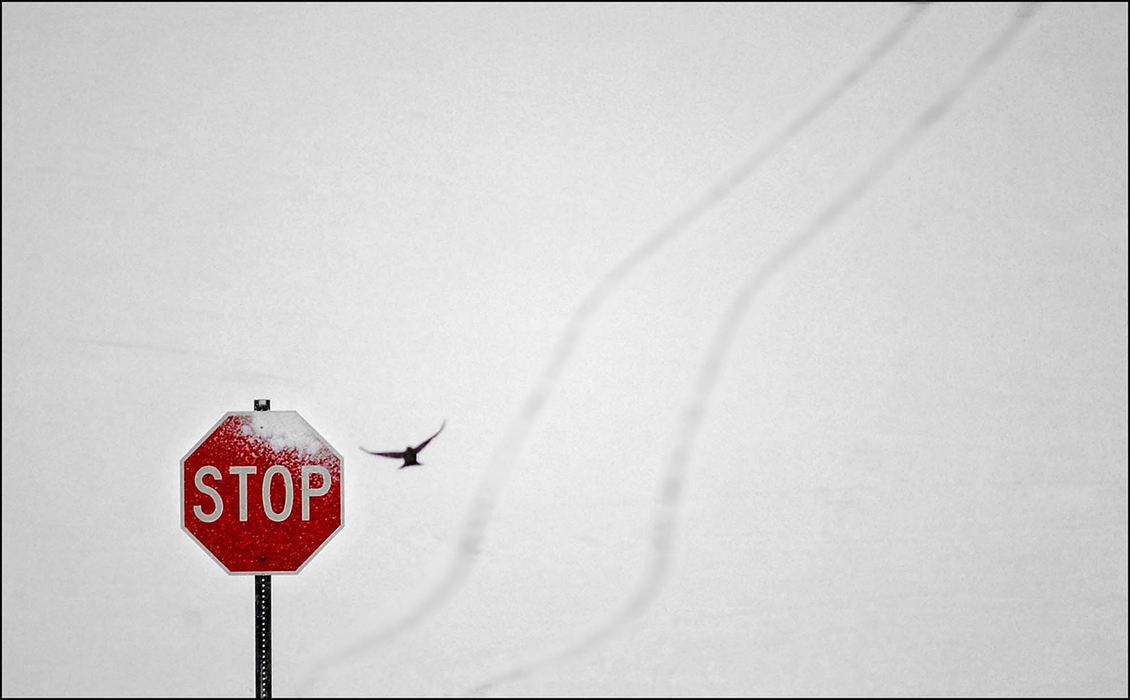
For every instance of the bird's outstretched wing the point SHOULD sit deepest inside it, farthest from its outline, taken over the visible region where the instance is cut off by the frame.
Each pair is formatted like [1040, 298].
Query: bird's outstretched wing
[394, 455]
[425, 442]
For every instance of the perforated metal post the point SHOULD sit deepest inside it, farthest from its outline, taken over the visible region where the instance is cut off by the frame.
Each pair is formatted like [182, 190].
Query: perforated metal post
[262, 636]
[262, 616]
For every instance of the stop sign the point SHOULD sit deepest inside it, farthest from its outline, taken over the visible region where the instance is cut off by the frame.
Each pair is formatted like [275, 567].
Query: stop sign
[262, 492]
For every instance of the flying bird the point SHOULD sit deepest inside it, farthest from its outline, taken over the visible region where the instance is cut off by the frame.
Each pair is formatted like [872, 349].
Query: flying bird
[409, 453]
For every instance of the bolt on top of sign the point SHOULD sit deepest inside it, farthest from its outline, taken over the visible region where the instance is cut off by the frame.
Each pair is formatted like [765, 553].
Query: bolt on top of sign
[262, 492]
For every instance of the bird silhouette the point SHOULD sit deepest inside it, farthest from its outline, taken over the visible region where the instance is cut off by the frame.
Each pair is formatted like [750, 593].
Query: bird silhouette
[408, 454]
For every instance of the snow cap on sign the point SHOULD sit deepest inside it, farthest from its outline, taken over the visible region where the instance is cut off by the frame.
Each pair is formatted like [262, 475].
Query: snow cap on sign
[282, 431]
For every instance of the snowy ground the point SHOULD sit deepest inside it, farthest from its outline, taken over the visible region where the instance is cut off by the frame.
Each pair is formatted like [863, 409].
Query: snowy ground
[909, 478]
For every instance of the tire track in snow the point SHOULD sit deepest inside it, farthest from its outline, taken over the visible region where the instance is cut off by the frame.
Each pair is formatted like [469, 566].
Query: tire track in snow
[506, 452]
[672, 484]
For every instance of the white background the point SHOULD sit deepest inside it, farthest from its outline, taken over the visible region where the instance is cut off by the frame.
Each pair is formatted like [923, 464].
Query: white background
[910, 478]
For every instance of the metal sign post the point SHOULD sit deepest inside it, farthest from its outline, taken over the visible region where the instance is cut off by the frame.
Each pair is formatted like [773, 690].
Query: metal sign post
[262, 615]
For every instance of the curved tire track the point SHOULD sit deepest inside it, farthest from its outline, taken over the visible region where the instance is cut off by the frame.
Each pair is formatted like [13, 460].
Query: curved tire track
[670, 492]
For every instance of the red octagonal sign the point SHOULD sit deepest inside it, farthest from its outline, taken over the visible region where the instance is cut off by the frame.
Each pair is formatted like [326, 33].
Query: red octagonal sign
[262, 492]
